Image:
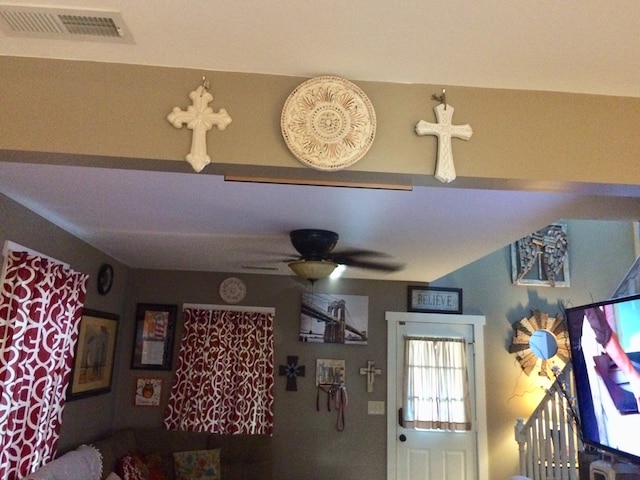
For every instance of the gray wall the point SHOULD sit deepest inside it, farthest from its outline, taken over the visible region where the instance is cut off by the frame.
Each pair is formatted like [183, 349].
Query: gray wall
[83, 418]
[600, 253]
[307, 444]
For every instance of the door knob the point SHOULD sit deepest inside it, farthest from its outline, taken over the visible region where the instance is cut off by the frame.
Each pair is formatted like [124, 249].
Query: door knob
[402, 437]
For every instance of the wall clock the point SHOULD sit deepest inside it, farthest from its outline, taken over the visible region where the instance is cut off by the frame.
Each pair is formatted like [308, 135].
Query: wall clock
[105, 279]
[328, 123]
[232, 290]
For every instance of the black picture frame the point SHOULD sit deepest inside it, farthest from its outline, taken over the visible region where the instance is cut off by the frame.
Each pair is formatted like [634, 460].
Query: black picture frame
[154, 334]
[434, 300]
[92, 372]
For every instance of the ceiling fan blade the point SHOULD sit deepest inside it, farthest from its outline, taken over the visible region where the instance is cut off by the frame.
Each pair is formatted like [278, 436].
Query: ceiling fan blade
[352, 254]
[370, 265]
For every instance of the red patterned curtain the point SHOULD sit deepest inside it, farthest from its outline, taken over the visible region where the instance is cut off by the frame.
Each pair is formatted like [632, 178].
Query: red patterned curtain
[40, 310]
[224, 377]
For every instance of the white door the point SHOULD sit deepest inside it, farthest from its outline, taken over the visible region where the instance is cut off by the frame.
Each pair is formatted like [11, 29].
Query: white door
[435, 455]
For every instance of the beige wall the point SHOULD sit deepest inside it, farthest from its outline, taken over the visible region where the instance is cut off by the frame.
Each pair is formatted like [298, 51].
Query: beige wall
[117, 115]
[58, 111]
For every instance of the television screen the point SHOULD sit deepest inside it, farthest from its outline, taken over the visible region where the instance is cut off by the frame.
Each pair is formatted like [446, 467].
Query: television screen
[605, 353]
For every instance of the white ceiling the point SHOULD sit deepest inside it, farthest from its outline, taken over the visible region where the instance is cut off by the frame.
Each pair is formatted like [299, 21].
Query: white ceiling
[185, 221]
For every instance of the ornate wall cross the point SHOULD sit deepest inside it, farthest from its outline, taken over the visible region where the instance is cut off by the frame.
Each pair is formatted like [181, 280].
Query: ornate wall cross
[445, 170]
[199, 117]
[292, 371]
[371, 373]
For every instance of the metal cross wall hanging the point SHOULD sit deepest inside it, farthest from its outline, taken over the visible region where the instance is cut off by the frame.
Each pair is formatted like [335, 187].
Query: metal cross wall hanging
[292, 371]
[371, 373]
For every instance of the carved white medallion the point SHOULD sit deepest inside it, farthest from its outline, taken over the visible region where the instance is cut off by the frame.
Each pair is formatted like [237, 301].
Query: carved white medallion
[328, 123]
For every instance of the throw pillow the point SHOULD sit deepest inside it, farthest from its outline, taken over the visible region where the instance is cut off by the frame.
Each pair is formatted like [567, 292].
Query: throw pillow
[139, 466]
[113, 476]
[131, 467]
[197, 465]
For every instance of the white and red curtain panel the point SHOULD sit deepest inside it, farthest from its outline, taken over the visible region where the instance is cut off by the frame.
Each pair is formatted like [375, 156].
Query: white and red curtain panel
[225, 372]
[40, 309]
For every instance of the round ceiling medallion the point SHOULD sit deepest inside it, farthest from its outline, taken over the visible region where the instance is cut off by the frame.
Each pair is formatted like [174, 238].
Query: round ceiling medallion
[328, 123]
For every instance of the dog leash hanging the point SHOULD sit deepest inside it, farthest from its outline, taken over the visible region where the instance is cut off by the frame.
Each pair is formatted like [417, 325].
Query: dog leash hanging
[341, 400]
[328, 391]
[336, 394]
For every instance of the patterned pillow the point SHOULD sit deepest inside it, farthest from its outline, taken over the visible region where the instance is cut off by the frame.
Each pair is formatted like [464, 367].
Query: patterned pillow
[137, 466]
[197, 464]
[131, 467]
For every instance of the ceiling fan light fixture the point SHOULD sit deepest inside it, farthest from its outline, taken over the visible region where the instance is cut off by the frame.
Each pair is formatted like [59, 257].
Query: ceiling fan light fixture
[313, 270]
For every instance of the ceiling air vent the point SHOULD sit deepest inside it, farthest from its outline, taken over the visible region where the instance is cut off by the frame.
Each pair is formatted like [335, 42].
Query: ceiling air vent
[41, 22]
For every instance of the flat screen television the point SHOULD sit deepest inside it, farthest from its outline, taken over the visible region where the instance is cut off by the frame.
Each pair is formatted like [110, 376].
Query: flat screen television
[608, 410]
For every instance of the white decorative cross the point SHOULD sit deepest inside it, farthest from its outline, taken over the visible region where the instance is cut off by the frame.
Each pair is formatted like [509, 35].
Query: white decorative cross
[370, 372]
[199, 118]
[445, 170]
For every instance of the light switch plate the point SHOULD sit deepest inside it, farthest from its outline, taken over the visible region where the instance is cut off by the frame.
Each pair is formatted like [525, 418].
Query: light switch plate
[375, 408]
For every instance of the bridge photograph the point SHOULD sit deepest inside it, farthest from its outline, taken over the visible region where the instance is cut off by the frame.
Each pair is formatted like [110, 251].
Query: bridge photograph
[334, 318]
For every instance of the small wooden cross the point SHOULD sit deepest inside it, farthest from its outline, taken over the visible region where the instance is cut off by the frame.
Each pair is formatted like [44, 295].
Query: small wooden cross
[445, 169]
[200, 118]
[371, 373]
[292, 370]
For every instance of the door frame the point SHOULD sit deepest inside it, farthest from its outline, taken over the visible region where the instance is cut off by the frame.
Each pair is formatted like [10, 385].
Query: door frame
[394, 319]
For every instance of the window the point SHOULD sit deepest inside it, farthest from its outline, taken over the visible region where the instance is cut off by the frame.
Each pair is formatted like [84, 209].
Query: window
[436, 386]
[224, 378]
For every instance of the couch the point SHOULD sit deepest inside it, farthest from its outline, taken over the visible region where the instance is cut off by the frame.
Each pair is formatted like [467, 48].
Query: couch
[242, 457]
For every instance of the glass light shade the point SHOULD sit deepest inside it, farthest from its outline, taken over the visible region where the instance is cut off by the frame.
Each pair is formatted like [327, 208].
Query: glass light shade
[312, 269]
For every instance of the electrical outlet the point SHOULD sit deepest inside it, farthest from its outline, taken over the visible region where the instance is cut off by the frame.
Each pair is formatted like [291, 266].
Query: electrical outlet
[375, 408]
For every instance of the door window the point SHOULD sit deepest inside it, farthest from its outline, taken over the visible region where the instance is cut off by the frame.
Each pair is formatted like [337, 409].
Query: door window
[436, 386]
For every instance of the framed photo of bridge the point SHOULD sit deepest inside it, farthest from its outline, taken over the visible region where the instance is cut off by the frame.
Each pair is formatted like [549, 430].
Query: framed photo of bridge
[334, 318]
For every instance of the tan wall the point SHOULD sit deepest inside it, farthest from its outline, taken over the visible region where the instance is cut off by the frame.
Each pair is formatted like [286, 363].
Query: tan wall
[522, 139]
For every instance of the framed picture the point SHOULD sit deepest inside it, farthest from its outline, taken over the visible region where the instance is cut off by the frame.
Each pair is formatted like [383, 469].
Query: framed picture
[330, 372]
[155, 329]
[95, 350]
[434, 300]
[148, 392]
[541, 259]
[334, 318]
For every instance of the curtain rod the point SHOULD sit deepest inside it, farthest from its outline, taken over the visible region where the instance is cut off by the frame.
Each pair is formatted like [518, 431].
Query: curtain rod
[10, 246]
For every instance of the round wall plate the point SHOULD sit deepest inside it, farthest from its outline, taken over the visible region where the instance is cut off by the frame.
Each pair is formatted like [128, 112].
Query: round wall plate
[328, 123]
[232, 290]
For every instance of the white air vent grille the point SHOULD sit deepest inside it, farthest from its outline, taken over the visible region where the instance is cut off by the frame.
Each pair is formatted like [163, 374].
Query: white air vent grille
[41, 22]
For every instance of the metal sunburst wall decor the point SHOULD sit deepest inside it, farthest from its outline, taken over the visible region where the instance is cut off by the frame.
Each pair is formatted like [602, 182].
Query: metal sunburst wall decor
[541, 342]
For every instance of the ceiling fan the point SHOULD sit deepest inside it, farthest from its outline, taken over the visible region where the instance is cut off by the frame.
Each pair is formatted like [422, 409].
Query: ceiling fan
[318, 260]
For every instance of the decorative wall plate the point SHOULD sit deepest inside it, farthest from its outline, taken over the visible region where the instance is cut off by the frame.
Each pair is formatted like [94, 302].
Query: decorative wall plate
[328, 123]
[233, 290]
